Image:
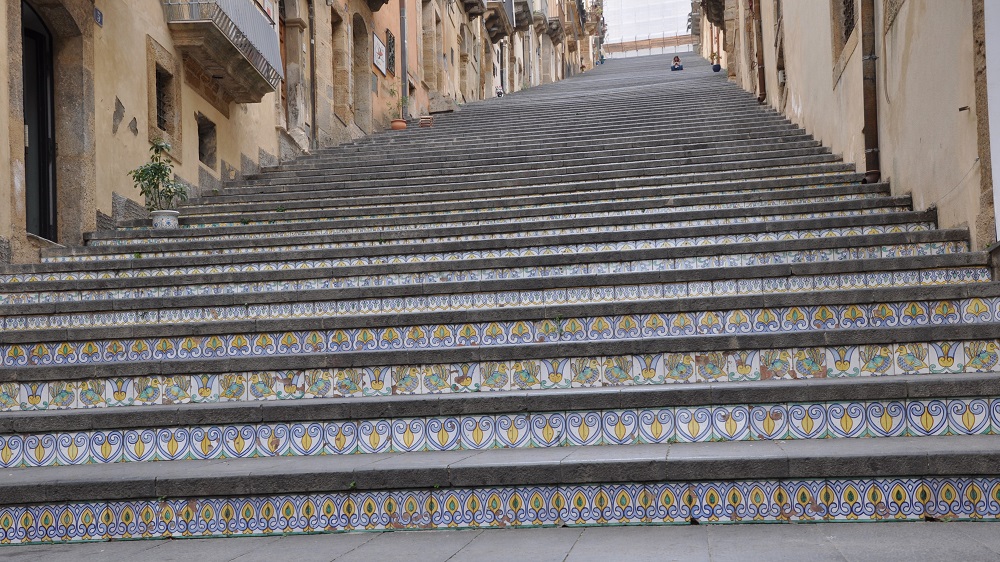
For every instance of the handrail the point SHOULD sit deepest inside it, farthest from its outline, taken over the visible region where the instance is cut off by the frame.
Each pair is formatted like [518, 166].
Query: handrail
[241, 21]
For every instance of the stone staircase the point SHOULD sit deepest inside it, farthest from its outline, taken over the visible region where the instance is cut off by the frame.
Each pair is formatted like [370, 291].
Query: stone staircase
[631, 297]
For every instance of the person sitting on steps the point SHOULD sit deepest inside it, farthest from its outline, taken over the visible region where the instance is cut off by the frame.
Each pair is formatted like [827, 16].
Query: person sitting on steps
[676, 64]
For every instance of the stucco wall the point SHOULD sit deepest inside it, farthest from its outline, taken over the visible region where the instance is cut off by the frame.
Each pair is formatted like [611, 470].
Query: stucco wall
[926, 75]
[827, 105]
[120, 74]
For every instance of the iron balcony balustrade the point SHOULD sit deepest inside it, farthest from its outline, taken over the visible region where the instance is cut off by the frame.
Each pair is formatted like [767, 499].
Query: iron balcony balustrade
[232, 41]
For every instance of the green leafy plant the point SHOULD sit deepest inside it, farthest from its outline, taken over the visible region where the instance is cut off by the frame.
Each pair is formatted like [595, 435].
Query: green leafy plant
[396, 103]
[155, 179]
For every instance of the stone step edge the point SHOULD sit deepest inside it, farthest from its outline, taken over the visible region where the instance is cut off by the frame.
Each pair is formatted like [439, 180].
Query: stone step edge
[591, 158]
[701, 344]
[344, 231]
[853, 221]
[532, 314]
[559, 140]
[759, 272]
[549, 260]
[209, 201]
[522, 155]
[820, 163]
[843, 181]
[790, 206]
[899, 387]
[682, 462]
[735, 154]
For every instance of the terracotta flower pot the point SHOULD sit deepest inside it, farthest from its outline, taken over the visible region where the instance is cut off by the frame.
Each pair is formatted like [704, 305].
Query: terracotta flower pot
[165, 220]
[398, 124]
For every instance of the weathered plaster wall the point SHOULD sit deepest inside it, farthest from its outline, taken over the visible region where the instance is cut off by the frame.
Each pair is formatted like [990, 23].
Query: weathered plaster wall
[6, 205]
[120, 78]
[929, 143]
[826, 103]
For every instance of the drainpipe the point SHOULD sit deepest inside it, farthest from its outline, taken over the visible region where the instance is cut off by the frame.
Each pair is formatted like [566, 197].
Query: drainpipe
[313, 129]
[759, 47]
[404, 84]
[869, 68]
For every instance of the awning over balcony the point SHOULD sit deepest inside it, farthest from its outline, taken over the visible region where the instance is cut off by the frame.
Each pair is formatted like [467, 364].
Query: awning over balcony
[232, 40]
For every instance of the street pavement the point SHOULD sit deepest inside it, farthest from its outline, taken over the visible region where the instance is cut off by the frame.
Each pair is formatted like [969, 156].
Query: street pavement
[868, 542]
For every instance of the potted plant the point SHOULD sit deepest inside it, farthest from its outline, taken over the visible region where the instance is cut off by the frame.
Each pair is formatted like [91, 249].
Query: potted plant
[716, 67]
[395, 107]
[155, 180]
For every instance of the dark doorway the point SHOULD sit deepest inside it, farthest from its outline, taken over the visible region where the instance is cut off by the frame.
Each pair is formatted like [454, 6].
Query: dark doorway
[39, 126]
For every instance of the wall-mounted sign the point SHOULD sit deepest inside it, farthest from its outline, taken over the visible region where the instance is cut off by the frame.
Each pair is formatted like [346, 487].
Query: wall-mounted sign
[378, 54]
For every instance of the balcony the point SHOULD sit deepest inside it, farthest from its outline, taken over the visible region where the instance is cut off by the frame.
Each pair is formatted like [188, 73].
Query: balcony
[499, 19]
[232, 41]
[555, 30]
[474, 8]
[540, 22]
[522, 15]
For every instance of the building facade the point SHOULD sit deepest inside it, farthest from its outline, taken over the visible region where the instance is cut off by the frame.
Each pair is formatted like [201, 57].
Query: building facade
[232, 86]
[898, 87]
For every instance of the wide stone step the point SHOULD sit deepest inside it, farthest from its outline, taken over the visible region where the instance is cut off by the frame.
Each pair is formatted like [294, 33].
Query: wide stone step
[489, 172]
[632, 120]
[492, 249]
[524, 154]
[501, 293]
[682, 215]
[668, 196]
[595, 238]
[513, 325]
[854, 355]
[683, 260]
[637, 146]
[592, 157]
[436, 214]
[802, 480]
[689, 183]
[915, 406]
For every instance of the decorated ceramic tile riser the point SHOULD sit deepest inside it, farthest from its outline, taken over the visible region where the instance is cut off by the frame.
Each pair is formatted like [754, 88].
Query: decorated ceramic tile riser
[879, 499]
[699, 179]
[940, 357]
[521, 332]
[935, 248]
[821, 420]
[511, 220]
[971, 274]
[397, 227]
[252, 249]
[493, 300]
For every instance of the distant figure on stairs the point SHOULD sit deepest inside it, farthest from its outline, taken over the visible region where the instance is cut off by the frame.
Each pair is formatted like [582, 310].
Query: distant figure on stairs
[676, 64]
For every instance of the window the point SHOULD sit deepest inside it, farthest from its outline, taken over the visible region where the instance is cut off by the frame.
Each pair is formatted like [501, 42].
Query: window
[843, 39]
[163, 98]
[848, 15]
[390, 52]
[206, 140]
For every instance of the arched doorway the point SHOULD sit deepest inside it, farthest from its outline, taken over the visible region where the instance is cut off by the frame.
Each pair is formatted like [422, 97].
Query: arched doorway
[39, 121]
[362, 72]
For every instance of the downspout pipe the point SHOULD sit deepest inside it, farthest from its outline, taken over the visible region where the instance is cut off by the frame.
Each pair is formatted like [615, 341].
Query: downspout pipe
[870, 89]
[759, 48]
[313, 128]
[404, 84]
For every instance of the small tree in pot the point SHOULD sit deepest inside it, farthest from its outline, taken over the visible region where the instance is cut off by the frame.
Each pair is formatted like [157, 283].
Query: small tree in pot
[155, 180]
[395, 107]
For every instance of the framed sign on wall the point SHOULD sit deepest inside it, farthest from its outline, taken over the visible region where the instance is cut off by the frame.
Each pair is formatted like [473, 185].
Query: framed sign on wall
[378, 54]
